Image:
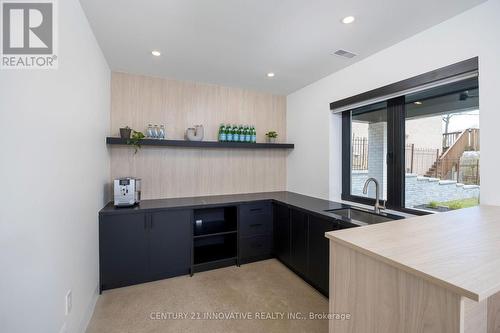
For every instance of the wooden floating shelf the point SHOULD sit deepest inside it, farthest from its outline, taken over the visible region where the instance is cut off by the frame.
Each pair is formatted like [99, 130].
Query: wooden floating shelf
[201, 144]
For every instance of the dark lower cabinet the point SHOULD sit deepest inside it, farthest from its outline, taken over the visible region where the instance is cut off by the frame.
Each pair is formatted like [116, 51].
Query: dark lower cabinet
[135, 248]
[255, 248]
[255, 231]
[141, 247]
[170, 243]
[298, 244]
[123, 250]
[256, 219]
[281, 233]
[319, 252]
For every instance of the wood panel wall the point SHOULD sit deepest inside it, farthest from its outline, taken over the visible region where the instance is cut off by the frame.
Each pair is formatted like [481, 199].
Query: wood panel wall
[137, 101]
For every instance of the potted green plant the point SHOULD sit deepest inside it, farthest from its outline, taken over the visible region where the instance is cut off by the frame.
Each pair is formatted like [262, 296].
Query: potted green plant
[135, 140]
[125, 132]
[271, 136]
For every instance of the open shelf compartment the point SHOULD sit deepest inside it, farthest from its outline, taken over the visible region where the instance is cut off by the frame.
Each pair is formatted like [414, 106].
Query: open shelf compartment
[213, 221]
[215, 237]
[215, 248]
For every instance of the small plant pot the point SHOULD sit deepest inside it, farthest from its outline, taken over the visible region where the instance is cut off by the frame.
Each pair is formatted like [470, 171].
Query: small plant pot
[125, 133]
[271, 140]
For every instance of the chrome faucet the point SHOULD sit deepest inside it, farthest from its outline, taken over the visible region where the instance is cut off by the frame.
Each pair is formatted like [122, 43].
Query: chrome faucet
[377, 207]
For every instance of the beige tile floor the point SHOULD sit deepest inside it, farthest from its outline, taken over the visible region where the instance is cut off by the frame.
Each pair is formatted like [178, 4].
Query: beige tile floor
[266, 287]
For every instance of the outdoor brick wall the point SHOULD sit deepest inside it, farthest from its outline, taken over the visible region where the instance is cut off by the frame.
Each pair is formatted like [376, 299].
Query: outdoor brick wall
[358, 180]
[377, 152]
[423, 190]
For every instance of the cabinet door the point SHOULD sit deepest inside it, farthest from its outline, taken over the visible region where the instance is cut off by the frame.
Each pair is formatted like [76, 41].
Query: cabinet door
[299, 248]
[319, 252]
[170, 243]
[281, 233]
[123, 250]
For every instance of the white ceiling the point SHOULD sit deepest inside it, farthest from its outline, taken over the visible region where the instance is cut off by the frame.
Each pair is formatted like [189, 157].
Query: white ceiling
[236, 42]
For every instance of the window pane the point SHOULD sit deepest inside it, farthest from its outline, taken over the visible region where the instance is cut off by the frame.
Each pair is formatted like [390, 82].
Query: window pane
[369, 149]
[442, 147]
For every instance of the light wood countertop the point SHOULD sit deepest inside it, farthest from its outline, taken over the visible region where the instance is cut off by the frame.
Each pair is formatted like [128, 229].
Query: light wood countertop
[458, 250]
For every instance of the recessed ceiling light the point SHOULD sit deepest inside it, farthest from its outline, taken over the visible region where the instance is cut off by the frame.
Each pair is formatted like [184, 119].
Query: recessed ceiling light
[156, 53]
[417, 103]
[271, 74]
[348, 19]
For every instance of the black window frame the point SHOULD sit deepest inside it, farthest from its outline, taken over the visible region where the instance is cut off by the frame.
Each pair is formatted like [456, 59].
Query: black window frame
[396, 108]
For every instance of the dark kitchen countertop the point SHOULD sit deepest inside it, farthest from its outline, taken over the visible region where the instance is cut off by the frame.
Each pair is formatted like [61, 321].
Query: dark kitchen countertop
[312, 205]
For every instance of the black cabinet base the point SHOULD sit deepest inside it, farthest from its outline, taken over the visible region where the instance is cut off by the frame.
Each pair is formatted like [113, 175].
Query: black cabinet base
[214, 265]
[206, 266]
[254, 259]
[121, 284]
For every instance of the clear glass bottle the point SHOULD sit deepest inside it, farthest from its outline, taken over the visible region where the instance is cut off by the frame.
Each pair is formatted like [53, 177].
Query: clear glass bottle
[149, 131]
[161, 132]
[156, 132]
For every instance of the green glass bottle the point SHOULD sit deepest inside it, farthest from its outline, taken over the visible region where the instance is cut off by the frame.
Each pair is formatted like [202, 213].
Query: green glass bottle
[242, 133]
[248, 135]
[254, 134]
[236, 133]
[229, 133]
[222, 133]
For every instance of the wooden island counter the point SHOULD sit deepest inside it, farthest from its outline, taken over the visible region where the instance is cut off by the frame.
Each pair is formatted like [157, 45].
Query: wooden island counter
[436, 273]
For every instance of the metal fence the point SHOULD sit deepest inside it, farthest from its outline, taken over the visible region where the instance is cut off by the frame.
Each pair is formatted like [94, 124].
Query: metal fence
[424, 162]
[468, 172]
[420, 160]
[359, 153]
[417, 160]
[463, 171]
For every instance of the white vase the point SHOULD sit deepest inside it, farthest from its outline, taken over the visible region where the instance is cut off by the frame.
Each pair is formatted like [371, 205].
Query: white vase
[195, 134]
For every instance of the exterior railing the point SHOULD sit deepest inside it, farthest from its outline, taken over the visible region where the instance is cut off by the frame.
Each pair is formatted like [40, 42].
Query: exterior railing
[359, 153]
[450, 138]
[417, 160]
[432, 162]
[420, 160]
[468, 140]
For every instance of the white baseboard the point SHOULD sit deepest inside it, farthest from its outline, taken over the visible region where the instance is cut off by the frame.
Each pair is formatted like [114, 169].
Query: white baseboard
[89, 312]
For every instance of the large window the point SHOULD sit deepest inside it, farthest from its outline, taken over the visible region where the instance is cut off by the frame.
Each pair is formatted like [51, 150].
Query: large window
[422, 146]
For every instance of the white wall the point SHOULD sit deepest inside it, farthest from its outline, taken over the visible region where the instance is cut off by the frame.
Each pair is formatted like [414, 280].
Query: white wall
[425, 132]
[314, 166]
[54, 164]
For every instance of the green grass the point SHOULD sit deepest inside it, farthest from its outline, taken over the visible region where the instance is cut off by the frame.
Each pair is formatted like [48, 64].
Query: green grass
[433, 204]
[459, 204]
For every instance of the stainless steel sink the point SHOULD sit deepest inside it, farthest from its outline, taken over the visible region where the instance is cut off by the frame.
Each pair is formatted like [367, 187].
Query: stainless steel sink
[363, 217]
